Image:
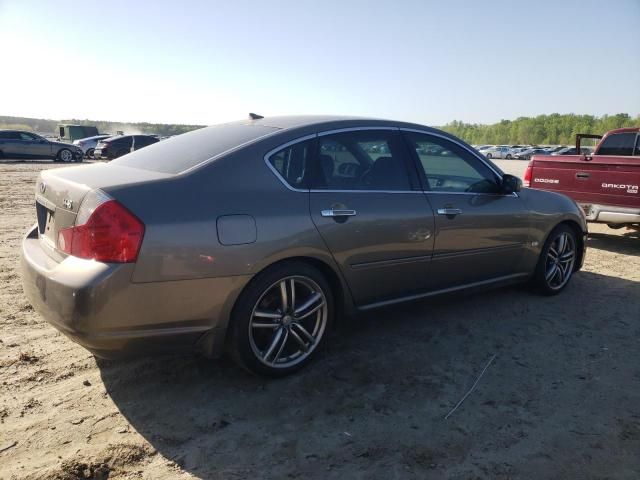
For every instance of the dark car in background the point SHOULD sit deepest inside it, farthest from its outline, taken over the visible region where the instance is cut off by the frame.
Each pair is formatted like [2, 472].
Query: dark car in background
[254, 236]
[21, 144]
[114, 147]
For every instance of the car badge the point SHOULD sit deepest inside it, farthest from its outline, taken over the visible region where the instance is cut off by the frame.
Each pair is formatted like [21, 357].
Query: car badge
[43, 187]
[68, 204]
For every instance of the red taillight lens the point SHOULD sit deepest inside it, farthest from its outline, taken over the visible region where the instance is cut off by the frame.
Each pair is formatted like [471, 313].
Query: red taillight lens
[527, 175]
[111, 234]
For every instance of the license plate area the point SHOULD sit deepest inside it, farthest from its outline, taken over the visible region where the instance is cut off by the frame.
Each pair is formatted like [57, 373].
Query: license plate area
[46, 220]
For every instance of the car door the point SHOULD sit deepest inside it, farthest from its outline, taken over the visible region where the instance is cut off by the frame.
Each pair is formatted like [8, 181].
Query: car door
[371, 214]
[35, 146]
[480, 233]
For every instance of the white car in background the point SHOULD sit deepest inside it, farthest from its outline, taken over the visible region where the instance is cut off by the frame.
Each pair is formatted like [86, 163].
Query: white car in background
[88, 145]
[499, 151]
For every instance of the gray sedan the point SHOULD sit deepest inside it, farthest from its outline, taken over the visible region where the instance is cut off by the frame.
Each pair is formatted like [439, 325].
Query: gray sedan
[20, 144]
[256, 237]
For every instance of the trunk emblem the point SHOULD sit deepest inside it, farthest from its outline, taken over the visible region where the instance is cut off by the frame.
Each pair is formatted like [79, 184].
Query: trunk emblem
[43, 187]
[68, 204]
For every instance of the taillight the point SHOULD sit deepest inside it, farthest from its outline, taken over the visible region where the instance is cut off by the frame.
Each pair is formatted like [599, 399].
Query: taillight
[527, 175]
[104, 231]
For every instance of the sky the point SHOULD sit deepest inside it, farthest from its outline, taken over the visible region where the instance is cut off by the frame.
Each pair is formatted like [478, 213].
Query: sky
[207, 62]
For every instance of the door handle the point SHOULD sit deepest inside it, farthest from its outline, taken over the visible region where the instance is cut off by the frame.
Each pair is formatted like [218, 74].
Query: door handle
[338, 213]
[449, 211]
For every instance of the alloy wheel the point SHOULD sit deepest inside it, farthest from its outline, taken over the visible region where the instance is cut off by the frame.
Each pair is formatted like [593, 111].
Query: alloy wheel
[66, 155]
[561, 257]
[288, 322]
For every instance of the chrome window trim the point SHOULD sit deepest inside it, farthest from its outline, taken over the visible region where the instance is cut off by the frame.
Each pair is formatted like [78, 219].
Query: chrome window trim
[472, 152]
[268, 155]
[354, 129]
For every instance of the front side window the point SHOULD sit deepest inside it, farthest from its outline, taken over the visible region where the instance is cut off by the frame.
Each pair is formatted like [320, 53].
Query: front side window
[449, 168]
[618, 144]
[361, 160]
[27, 137]
[292, 163]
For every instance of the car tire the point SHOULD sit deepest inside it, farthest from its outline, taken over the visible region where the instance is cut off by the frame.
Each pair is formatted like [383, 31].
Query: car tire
[90, 152]
[275, 332]
[488, 155]
[508, 157]
[65, 155]
[557, 261]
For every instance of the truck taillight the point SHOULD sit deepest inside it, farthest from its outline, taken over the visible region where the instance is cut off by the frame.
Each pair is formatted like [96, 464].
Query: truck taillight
[527, 175]
[104, 231]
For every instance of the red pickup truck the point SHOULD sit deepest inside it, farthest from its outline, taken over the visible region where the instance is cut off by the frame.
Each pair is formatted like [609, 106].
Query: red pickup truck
[605, 183]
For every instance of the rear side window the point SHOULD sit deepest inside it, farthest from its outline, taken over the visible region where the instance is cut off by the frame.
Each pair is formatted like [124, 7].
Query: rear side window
[618, 144]
[361, 160]
[292, 163]
[182, 152]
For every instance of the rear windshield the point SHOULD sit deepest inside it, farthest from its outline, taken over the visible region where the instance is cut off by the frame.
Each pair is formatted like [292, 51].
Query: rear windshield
[182, 152]
[618, 144]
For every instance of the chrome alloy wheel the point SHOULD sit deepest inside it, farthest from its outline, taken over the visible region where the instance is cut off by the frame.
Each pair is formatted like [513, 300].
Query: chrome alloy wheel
[288, 321]
[66, 155]
[561, 257]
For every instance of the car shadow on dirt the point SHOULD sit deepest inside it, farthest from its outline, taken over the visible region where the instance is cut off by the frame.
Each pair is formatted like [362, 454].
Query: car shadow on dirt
[373, 404]
[626, 242]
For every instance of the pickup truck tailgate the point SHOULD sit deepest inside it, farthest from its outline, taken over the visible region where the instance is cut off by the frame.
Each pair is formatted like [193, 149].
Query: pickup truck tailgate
[600, 179]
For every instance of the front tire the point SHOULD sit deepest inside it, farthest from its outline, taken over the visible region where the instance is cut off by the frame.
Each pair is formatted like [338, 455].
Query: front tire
[489, 156]
[557, 261]
[508, 157]
[281, 319]
[65, 155]
[90, 152]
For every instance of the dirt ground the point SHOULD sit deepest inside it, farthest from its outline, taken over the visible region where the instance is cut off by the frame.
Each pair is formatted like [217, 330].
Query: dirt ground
[560, 400]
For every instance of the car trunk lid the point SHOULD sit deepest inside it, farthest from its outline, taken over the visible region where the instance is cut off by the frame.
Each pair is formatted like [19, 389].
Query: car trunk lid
[59, 194]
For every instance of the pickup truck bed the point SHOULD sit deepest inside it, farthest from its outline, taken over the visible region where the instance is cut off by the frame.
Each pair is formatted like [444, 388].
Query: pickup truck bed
[605, 186]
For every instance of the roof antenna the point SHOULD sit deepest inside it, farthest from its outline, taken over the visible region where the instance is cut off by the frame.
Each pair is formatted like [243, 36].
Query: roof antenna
[255, 116]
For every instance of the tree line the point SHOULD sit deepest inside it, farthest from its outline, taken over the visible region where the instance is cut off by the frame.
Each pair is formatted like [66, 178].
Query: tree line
[553, 129]
[44, 126]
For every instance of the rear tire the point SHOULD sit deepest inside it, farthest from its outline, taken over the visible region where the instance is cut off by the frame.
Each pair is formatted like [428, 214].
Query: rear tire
[557, 261]
[489, 156]
[281, 319]
[508, 157]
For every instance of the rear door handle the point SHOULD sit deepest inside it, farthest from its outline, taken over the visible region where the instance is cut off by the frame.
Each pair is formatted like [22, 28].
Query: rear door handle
[338, 213]
[449, 211]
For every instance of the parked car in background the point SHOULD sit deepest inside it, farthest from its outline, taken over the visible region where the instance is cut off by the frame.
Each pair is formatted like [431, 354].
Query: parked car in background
[606, 183]
[500, 151]
[70, 133]
[114, 147]
[571, 151]
[89, 144]
[280, 224]
[529, 152]
[21, 144]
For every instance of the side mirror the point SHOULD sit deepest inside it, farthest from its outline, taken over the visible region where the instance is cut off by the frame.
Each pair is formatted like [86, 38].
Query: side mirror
[510, 184]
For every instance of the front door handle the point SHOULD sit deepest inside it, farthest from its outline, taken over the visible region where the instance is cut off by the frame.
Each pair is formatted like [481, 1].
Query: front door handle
[338, 213]
[449, 212]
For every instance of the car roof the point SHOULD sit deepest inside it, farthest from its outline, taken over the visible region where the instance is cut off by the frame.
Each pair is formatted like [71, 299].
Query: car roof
[624, 130]
[291, 122]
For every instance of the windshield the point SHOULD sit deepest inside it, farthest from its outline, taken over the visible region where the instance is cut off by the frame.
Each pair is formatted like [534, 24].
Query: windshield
[179, 153]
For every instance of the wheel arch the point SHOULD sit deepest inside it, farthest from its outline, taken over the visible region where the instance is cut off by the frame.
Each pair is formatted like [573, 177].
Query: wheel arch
[580, 246]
